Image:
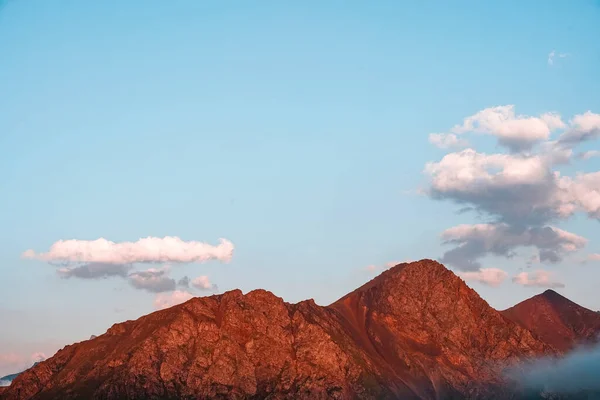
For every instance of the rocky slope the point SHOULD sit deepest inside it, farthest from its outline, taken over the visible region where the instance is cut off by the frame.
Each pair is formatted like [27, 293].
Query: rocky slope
[414, 332]
[556, 320]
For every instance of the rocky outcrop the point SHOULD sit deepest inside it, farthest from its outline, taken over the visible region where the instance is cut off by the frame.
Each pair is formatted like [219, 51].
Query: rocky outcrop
[414, 332]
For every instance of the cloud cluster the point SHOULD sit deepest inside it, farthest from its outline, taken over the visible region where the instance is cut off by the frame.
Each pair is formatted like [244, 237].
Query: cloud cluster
[475, 241]
[517, 132]
[203, 283]
[520, 193]
[94, 271]
[539, 278]
[153, 280]
[488, 276]
[101, 258]
[147, 250]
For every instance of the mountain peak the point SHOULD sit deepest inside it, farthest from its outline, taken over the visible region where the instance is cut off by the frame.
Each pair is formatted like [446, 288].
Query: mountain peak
[556, 319]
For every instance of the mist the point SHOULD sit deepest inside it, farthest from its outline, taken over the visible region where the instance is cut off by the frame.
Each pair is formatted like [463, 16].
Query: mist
[578, 372]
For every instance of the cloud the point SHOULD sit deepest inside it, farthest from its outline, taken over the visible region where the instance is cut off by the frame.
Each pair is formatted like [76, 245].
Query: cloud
[184, 282]
[446, 140]
[203, 283]
[517, 189]
[594, 257]
[13, 362]
[516, 132]
[164, 300]
[574, 373]
[148, 250]
[583, 127]
[152, 280]
[475, 241]
[387, 265]
[513, 188]
[553, 55]
[518, 193]
[95, 271]
[539, 278]
[488, 276]
[586, 155]
[38, 357]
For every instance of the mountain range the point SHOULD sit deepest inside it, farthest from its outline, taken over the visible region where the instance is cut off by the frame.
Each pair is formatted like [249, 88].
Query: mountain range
[416, 331]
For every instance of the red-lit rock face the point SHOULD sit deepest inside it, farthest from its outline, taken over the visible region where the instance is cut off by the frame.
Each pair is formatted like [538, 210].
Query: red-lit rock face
[414, 332]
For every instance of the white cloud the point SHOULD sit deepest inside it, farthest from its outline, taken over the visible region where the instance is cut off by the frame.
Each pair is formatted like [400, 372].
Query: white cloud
[582, 127]
[147, 250]
[488, 276]
[164, 300]
[517, 132]
[203, 283]
[539, 278]
[446, 140]
[514, 188]
[553, 55]
[510, 187]
[583, 192]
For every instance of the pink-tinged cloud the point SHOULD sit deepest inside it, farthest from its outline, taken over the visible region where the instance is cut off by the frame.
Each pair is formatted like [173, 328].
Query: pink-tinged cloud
[594, 257]
[539, 278]
[203, 283]
[583, 127]
[586, 155]
[147, 250]
[447, 140]
[12, 362]
[166, 300]
[517, 132]
[488, 276]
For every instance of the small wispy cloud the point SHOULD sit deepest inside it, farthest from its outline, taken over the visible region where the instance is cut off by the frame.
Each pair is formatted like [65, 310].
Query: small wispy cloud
[539, 278]
[164, 300]
[203, 283]
[586, 155]
[553, 55]
[488, 276]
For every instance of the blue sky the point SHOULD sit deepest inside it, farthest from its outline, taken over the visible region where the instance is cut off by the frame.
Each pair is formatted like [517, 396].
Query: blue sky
[299, 132]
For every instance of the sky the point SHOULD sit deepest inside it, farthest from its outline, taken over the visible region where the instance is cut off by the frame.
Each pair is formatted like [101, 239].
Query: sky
[151, 151]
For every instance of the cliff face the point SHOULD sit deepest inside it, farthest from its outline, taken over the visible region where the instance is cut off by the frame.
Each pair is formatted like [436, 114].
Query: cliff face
[556, 320]
[415, 332]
